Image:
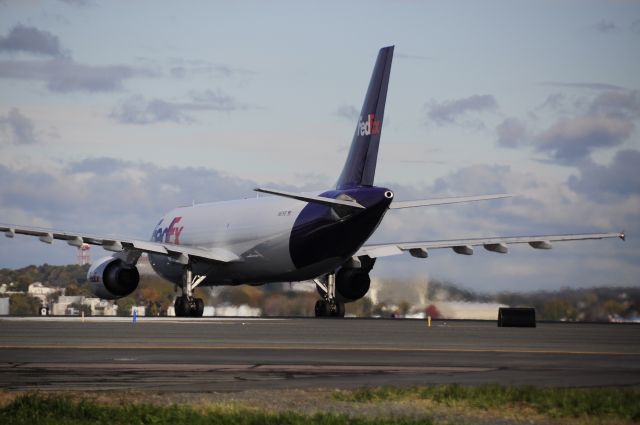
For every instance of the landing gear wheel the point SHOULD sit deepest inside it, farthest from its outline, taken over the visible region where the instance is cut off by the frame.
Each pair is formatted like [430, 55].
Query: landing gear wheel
[199, 308]
[326, 309]
[339, 311]
[181, 307]
[186, 305]
[322, 308]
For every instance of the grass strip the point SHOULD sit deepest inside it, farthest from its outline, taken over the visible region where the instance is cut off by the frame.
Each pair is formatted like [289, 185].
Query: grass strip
[46, 409]
[617, 403]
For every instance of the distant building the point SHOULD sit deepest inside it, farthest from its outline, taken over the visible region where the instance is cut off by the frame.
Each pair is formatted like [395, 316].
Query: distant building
[4, 306]
[41, 292]
[59, 309]
[139, 309]
[104, 308]
[98, 306]
[70, 299]
[7, 289]
[91, 302]
[63, 306]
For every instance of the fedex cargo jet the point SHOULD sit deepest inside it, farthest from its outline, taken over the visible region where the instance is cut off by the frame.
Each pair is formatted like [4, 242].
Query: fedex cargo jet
[285, 237]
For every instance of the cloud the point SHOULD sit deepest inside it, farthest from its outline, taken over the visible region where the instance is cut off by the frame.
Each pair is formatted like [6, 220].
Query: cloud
[17, 129]
[138, 110]
[607, 122]
[583, 85]
[348, 112]
[98, 166]
[98, 198]
[212, 101]
[78, 3]
[619, 179]
[182, 68]
[606, 26]
[511, 133]
[555, 102]
[453, 111]
[571, 140]
[65, 75]
[475, 179]
[543, 204]
[61, 73]
[604, 121]
[635, 26]
[623, 105]
[413, 57]
[31, 40]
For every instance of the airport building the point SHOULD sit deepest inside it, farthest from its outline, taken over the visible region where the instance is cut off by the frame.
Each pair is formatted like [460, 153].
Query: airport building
[67, 306]
[43, 293]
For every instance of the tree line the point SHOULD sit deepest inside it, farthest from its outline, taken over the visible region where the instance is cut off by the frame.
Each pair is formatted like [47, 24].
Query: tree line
[157, 295]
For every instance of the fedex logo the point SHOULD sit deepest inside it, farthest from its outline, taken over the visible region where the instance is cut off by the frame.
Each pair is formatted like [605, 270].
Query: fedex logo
[368, 127]
[170, 234]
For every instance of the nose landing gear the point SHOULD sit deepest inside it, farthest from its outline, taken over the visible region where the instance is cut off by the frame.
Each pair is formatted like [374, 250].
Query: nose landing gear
[187, 305]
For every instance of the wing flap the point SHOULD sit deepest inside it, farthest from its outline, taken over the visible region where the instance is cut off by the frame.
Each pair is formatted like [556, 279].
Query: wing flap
[150, 247]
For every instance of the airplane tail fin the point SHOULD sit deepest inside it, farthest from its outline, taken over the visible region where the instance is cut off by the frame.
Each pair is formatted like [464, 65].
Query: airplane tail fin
[360, 167]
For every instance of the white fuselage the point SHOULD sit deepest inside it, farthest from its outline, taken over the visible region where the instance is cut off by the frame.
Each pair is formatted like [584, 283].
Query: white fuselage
[256, 230]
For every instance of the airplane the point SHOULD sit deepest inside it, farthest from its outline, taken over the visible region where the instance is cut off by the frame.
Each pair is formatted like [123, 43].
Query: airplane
[286, 237]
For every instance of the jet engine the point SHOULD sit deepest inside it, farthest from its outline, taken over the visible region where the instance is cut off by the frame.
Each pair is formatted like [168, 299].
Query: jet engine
[352, 284]
[110, 278]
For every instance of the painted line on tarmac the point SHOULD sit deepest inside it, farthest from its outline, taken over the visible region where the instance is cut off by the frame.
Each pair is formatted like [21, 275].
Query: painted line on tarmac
[147, 319]
[303, 348]
[345, 368]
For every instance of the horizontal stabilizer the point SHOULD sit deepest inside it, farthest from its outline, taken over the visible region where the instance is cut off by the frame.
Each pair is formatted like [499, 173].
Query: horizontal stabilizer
[310, 198]
[443, 201]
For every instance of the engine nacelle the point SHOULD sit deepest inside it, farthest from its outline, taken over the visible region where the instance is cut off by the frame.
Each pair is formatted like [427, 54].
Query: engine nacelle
[110, 278]
[352, 284]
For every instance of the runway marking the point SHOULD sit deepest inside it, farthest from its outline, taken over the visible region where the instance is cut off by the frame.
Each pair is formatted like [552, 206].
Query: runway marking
[145, 319]
[324, 348]
[252, 367]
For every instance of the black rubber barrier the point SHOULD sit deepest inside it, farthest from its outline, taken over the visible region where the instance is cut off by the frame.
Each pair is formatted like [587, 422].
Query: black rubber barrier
[520, 317]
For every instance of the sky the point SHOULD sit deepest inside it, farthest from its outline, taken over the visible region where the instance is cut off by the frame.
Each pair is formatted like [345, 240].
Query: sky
[112, 113]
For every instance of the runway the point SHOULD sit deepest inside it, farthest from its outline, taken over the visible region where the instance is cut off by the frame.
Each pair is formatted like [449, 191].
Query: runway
[202, 355]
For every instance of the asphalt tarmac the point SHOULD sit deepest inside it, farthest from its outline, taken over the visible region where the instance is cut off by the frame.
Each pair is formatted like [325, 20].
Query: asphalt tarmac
[216, 354]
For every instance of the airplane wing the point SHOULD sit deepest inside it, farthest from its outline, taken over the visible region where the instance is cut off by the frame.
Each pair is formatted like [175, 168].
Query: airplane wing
[178, 253]
[465, 246]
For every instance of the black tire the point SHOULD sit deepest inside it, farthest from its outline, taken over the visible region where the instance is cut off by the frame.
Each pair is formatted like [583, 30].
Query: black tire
[199, 308]
[322, 308]
[181, 307]
[340, 310]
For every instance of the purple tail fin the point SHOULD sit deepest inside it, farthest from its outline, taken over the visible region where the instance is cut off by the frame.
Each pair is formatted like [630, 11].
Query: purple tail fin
[360, 167]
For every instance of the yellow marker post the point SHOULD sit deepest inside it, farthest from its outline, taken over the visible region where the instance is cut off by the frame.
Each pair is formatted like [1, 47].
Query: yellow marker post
[429, 321]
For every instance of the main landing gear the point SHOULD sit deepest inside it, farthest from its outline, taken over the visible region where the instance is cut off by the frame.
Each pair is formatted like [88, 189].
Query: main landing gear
[328, 306]
[186, 305]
